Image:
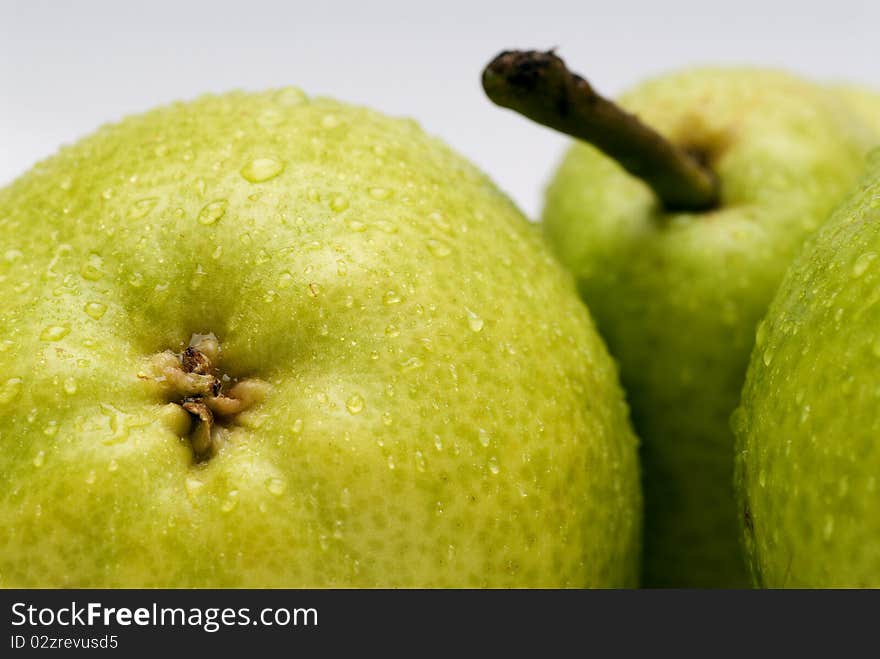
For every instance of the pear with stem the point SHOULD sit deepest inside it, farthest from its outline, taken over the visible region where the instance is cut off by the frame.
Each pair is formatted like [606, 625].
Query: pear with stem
[678, 211]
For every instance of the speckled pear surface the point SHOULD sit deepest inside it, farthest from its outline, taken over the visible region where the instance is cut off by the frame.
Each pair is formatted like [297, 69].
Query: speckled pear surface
[440, 410]
[808, 460]
[677, 296]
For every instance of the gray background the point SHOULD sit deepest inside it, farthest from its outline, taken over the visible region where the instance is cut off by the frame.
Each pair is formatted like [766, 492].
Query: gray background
[66, 67]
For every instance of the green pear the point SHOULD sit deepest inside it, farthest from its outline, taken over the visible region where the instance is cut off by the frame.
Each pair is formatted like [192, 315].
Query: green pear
[808, 462]
[260, 340]
[866, 102]
[741, 166]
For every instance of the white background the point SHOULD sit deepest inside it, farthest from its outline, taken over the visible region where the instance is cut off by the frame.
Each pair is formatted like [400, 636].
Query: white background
[66, 67]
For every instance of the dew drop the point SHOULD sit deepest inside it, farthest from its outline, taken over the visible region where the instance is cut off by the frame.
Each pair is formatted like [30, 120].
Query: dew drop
[230, 502]
[391, 297]
[341, 268]
[438, 248]
[767, 356]
[355, 404]
[297, 426]
[805, 414]
[761, 333]
[387, 419]
[291, 96]
[276, 486]
[385, 227]
[391, 462]
[136, 279]
[330, 121]
[474, 321]
[420, 461]
[10, 390]
[93, 268]
[90, 477]
[828, 528]
[262, 169]
[113, 466]
[493, 465]
[269, 118]
[380, 193]
[285, 279]
[392, 331]
[411, 364]
[863, 263]
[95, 309]
[54, 333]
[440, 222]
[338, 203]
[213, 212]
[142, 208]
[484, 437]
[69, 386]
[39, 459]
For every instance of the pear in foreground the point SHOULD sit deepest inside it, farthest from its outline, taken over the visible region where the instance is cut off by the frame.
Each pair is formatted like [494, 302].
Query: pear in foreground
[260, 340]
[808, 461]
[677, 288]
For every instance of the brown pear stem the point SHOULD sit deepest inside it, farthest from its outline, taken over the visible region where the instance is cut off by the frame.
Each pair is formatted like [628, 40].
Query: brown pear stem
[539, 85]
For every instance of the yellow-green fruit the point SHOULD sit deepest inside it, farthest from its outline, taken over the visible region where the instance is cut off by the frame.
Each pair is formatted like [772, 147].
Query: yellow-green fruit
[423, 399]
[677, 296]
[866, 102]
[808, 459]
